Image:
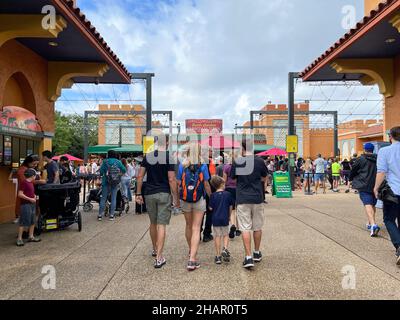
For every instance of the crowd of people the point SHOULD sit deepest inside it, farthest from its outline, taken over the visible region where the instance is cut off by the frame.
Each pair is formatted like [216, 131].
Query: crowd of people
[221, 198]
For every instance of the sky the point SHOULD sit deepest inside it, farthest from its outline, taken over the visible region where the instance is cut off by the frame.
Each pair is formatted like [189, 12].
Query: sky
[222, 58]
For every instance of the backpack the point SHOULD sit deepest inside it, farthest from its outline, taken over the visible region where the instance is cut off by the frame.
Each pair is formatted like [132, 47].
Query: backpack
[192, 185]
[113, 174]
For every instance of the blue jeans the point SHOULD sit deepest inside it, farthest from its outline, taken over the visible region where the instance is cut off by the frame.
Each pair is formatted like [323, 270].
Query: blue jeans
[105, 191]
[126, 188]
[391, 212]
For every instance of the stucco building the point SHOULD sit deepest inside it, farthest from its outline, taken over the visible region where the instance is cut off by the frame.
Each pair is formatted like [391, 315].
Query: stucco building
[37, 61]
[369, 53]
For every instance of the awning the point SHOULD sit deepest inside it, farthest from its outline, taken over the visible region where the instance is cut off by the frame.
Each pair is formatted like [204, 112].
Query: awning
[103, 149]
[77, 42]
[264, 147]
[375, 38]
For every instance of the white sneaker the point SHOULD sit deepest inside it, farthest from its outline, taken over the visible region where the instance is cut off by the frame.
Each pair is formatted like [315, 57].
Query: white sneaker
[16, 221]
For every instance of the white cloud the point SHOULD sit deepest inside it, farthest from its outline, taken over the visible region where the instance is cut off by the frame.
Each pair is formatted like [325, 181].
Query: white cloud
[218, 58]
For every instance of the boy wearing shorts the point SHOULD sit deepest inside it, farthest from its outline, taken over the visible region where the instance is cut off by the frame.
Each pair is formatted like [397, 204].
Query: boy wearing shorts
[221, 204]
[28, 207]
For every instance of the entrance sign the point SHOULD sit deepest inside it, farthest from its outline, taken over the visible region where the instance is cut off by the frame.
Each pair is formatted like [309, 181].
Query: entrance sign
[200, 126]
[282, 188]
[292, 144]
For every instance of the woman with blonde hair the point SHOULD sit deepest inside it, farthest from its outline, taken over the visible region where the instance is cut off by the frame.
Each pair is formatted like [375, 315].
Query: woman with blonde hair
[193, 177]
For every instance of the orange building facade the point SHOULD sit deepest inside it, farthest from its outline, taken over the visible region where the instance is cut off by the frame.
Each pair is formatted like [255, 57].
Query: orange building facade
[368, 53]
[352, 135]
[109, 125]
[311, 141]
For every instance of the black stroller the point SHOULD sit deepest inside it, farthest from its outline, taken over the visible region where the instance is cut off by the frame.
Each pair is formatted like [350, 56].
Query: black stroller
[59, 206]
[95, 196]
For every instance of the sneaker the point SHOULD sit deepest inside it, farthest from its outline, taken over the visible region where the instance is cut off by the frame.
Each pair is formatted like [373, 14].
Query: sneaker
[248, 263]
[112, 218]
[99, 219]
[158, 264]
[398, 256]
[16, 221]
[193, 265]
[218, 260]
[154, 253]
[226, 255]
[232, 232]
[208, 238]
[375, 230]
[34, 239]
[368, 226]
[257, 256]
[20, 243]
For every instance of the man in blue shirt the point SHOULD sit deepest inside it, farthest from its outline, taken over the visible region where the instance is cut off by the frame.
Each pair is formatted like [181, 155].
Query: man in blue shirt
[389, 168]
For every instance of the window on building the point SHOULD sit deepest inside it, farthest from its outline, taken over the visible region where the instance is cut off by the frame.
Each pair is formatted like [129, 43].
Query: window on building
[112, 132]
[281, 131]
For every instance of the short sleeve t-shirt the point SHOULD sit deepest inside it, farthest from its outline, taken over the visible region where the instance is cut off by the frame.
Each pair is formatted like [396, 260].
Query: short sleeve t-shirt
[249, 188]
[28, 189]
[319, 165]
[220, 203]
[51, 169]
[230, 183]
[157, 166]
[336, 169]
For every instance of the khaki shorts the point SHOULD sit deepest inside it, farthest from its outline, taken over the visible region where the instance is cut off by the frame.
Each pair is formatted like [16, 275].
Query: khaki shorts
[220, 231]
[199, 206]
[250, 217]
[159, 208]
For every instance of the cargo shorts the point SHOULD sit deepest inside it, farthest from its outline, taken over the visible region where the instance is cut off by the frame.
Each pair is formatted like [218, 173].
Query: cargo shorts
[250, 217]
[159, 208]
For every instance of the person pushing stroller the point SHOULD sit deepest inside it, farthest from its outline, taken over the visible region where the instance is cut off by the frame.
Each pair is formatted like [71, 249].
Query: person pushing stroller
[111, 172]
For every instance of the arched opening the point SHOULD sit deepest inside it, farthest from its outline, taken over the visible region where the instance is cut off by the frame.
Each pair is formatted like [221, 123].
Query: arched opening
[18, 92]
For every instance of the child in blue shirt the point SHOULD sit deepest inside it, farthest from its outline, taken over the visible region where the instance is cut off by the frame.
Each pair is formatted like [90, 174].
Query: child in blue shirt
[221, 204]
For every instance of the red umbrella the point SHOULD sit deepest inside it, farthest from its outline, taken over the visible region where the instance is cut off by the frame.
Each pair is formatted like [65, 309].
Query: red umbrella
[70, 158]
[220, 142]
[273, 152]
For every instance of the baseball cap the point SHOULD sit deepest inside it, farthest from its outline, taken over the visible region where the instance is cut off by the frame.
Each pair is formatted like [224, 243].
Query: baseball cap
[369, 147]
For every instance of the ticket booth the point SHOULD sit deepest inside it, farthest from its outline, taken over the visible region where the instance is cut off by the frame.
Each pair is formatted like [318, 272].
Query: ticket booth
[45, 46]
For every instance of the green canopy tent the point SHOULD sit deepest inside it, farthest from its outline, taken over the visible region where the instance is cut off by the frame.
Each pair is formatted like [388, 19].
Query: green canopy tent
[103, 149]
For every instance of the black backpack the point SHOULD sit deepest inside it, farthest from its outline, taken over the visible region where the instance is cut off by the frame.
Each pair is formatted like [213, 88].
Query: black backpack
[113, 174]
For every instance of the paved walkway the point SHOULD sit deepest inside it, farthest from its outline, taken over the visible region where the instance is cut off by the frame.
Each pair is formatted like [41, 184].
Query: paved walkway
[307, 241]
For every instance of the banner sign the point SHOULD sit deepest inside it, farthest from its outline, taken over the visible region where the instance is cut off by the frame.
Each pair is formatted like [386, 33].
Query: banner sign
[19, 121]
[282, 187]
[204, 125]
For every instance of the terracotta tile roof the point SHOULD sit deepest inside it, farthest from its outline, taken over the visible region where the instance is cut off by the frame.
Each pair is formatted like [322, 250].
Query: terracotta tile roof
[81, 16]
[374, 14]
[372, 131]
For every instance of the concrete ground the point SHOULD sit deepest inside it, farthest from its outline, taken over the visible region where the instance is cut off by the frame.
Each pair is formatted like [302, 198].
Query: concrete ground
[309, 243]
